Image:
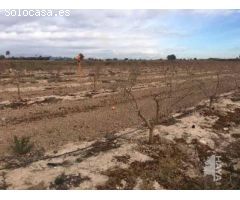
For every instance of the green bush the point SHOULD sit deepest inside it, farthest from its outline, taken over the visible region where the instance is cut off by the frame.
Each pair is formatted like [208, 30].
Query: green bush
[21, 145]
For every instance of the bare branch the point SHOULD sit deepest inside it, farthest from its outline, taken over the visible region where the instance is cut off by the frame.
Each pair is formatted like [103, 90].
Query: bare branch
[135, 103]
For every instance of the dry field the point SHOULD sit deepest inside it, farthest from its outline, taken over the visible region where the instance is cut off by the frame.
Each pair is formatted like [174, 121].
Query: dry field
[56, 107]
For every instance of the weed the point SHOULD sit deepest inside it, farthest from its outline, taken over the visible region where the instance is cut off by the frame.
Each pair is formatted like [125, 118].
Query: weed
[64, 182]
[21, 145]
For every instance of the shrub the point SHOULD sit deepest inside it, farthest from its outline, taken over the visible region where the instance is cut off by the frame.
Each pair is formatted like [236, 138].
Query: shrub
[21, 145]
[211, 91]
[165, 100]
[60, 179]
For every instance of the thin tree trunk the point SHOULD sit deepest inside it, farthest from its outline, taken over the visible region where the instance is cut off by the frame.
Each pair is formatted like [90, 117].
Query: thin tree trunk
[150, 139]
[79, 70]
[157, 110]
[94, 82]
[210, 102]
[18, 90]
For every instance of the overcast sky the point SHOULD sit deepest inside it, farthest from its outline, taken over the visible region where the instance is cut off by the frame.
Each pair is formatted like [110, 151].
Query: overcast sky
[125, 33]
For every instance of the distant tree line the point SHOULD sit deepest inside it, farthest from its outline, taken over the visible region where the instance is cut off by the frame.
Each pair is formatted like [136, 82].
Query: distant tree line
[170, 57]
[31, 58]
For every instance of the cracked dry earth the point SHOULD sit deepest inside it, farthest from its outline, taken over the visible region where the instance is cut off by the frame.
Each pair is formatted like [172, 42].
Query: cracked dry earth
[124, 160]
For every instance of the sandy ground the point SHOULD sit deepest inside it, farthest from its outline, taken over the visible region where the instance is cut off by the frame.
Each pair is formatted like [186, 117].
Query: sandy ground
[124, 160]
[93, 139]
[59, 110]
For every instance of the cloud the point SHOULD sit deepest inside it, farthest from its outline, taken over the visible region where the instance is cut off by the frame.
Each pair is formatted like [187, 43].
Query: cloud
[104, 33]
[220, 12]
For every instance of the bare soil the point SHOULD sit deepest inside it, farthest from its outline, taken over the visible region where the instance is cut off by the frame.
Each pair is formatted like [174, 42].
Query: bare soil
[62, 113]
[125, 160]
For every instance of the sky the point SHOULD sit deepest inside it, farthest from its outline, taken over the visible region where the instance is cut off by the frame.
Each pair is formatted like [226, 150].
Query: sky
[145, 34]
